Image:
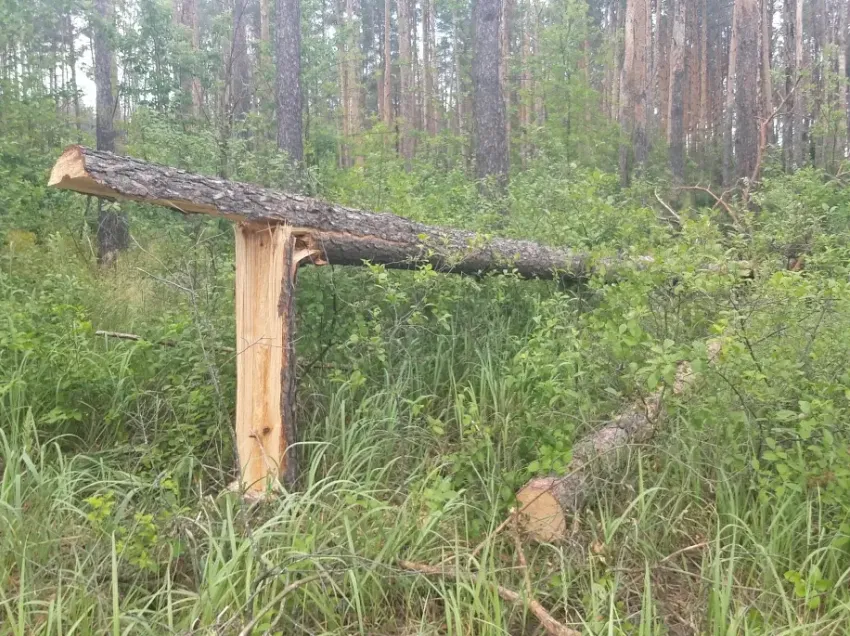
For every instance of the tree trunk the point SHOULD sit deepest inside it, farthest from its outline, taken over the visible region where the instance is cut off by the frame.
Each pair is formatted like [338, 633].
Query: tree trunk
[663, 72]
[841, 53]
[112, 231]
[491, 147]
[406, 95]
[729, 112]
[429, 96]
[265, 31]
[72, 64]
[288, 89]
[526, 96]
[505, 23]
[788, 23]
[799, 101]
[331, 233]
[633, 118]
[746, 100]
[675, 100]
[766, 79]
[240, 69]
[703, 85]
[386, 79]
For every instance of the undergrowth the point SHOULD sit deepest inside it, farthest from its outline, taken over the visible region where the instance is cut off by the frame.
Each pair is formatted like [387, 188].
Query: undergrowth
[424, 401]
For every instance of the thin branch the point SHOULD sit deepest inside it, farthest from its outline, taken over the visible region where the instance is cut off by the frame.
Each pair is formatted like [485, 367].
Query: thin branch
[549, 624]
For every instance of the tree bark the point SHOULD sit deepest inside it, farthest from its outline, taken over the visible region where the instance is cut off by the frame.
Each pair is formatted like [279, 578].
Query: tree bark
[491, 147]
[633, 86]
[240, 69]
[746, 99]
[406, 95]
[675, 100]
[841, 52]
[112, 231]
[429, 67]
[386, 79]
[288, 89]
[505, 23]
[799, 101]
[729, 112]
[333, 233]
[766, 79]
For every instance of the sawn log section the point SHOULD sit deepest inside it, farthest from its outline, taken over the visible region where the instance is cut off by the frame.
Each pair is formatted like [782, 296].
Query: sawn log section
[334, 233]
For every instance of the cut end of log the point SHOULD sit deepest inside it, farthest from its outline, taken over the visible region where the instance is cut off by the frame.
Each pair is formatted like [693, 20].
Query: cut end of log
[540, 514]
[69, 173]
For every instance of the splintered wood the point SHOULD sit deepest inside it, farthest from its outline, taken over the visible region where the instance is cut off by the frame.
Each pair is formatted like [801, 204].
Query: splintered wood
[265, 362]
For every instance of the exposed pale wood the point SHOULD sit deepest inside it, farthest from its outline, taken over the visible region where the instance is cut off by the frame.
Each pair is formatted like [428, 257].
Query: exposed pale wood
[265, 428]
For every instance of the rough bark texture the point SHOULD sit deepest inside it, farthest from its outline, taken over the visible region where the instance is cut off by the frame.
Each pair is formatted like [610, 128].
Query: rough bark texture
[405, 94]
[386, 79]
[729, 112]
[429, 67]
[546, 503]
[112, 232]
[799, 101]
[240, 68]
[746, 99]
[675, 101]
[338, 234]
[633, 102]
[765, 71]
[288, 89]
[491, 147]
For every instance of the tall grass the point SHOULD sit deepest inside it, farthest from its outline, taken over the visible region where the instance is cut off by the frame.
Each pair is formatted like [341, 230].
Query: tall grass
[114, 516]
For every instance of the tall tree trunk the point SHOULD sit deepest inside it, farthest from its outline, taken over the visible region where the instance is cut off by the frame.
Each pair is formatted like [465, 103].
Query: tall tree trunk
[703, 85]
[526, 95]
[799, 101]
[633, 88]
[663, 72]
[505, 23]
[288, 88]
[349, 64]
[766, 79]
[841, 142]
[746, 100]
[265, 31]
[406, 95]
[429, 70]
[788, 24]
[729, 112]
[70, 40]
[386, 78]
[491, 147]
[112, 230]
[240, 69]
[675, 100]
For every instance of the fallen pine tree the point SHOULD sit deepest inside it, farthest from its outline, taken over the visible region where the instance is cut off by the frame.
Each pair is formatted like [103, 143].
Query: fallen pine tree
[331, 233]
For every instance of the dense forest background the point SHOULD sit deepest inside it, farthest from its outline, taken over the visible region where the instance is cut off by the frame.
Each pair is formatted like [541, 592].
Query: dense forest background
[709, 135]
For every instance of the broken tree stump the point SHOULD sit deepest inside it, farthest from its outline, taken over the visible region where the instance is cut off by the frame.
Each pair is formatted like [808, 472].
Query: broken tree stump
[266, 265]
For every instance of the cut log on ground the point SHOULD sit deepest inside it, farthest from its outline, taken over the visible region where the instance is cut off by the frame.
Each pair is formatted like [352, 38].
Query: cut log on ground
[547, 503]
[337, 234]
